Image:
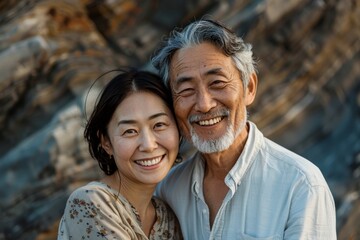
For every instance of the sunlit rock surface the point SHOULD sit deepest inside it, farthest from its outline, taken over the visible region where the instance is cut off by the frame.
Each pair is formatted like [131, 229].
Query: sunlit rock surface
[52, 51]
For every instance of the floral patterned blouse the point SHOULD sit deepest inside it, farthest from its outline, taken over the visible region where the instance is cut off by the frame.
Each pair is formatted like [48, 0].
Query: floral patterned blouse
[96, 211]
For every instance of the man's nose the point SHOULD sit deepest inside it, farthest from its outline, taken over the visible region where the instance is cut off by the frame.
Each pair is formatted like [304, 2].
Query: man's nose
[148, 142]
[204, 101]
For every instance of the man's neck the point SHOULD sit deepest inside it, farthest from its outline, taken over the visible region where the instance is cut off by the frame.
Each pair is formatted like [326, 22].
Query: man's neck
[219, 164]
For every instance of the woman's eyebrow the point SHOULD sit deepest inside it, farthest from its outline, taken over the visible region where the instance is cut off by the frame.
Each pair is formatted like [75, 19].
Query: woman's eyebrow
[126, 122]
[131, 121]
[158, 115]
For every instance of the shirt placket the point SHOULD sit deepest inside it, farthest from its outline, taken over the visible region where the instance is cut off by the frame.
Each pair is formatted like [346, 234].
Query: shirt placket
[219, 222]
[203, 211]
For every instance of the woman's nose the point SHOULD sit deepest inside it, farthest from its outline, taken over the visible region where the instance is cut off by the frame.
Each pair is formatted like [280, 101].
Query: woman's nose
[148, 142]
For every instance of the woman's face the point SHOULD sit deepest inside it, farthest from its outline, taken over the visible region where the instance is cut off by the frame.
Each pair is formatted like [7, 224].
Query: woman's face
[143, 138]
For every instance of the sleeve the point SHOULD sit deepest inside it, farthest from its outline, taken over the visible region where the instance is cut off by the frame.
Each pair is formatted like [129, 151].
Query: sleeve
[93, 214]
[312, 215]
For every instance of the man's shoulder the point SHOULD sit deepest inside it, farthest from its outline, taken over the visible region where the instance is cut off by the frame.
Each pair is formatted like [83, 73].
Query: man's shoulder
[178, 177]
[184, 169]
[291, 161]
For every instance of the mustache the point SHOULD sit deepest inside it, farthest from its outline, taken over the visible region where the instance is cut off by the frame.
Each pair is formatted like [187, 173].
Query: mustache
[222, 112]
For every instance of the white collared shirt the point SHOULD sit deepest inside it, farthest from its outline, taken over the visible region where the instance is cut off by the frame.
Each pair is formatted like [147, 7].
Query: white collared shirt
[273, 194]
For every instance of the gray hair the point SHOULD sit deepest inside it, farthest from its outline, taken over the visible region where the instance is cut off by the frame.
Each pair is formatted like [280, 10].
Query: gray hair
[206, 31]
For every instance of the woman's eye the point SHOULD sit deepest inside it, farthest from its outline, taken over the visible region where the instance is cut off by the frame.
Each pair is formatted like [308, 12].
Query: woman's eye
[160, 126]
[129, 132]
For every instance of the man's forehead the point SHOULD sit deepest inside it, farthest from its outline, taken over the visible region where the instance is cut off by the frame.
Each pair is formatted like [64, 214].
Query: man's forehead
[192, 68]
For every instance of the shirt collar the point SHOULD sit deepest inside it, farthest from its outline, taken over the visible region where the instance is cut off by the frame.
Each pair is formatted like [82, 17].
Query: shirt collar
[247, 157]
[198, 175]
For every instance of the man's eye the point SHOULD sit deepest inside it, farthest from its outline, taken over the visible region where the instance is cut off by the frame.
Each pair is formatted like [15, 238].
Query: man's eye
[218, 83]
[186, 91]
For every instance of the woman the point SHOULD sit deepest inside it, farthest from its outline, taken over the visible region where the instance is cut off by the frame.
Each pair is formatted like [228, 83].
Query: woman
[133, 135]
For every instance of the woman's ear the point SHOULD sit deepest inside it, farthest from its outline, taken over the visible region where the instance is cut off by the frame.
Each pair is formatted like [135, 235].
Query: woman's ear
[251, 89]
[106, 144]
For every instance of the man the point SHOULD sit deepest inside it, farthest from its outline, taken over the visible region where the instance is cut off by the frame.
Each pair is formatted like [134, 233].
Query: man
[239, 185]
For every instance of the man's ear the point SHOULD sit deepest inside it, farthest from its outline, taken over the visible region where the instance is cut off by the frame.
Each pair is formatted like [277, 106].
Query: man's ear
[106, 144]
[251, 89]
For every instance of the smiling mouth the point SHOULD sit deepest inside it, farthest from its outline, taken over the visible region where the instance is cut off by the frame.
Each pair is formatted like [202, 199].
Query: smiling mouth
[210, 122]
[149, 162]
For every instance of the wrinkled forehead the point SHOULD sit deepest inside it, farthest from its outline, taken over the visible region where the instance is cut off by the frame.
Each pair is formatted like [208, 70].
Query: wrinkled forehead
[197, 60]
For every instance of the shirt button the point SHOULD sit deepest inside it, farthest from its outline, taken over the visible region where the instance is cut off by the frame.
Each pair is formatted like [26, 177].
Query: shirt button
[204, 211]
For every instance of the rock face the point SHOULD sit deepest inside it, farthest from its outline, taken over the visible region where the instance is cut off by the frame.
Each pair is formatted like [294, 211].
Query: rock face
[52, 51]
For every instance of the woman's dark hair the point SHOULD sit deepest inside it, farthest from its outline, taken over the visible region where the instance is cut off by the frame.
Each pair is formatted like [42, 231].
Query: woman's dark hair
[122, 85]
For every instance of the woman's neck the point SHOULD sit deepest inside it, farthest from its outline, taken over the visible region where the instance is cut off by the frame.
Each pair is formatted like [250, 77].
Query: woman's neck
[139, 195]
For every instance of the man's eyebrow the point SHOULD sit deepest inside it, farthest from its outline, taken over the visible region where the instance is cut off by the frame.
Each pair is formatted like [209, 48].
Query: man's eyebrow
[212, 71]
[130, 121]
[182, 80]
[217, 71]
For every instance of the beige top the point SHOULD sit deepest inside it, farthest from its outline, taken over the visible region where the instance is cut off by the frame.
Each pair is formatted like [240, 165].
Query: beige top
[96, 211]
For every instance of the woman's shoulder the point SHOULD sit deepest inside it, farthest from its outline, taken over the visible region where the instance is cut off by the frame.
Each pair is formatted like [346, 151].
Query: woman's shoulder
[93, 191]
[90, 187]
[158, 202]
[161, 207]
[167, 225]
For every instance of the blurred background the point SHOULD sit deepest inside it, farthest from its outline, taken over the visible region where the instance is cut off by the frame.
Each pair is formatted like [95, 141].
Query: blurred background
[308, 100]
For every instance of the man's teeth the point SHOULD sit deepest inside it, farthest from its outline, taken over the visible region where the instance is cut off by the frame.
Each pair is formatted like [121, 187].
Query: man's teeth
[149, 162]
[210, 122]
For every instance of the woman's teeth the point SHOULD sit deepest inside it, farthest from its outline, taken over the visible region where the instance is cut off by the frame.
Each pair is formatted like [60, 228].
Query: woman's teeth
[210, 122]
[148, 163]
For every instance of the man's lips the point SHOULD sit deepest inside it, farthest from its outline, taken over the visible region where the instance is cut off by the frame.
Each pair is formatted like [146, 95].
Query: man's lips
[210, 122]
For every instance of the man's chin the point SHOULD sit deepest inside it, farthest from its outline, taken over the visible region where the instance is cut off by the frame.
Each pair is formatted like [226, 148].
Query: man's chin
[213, 145]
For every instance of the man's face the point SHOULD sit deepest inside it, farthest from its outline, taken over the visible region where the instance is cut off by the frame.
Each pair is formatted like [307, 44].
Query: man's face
[209, 98]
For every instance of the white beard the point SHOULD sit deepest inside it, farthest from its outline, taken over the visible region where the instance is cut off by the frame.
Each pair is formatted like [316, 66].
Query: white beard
[220, 144]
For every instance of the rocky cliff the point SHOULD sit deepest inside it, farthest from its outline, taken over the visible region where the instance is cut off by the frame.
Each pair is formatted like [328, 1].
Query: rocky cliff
[52, 51]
